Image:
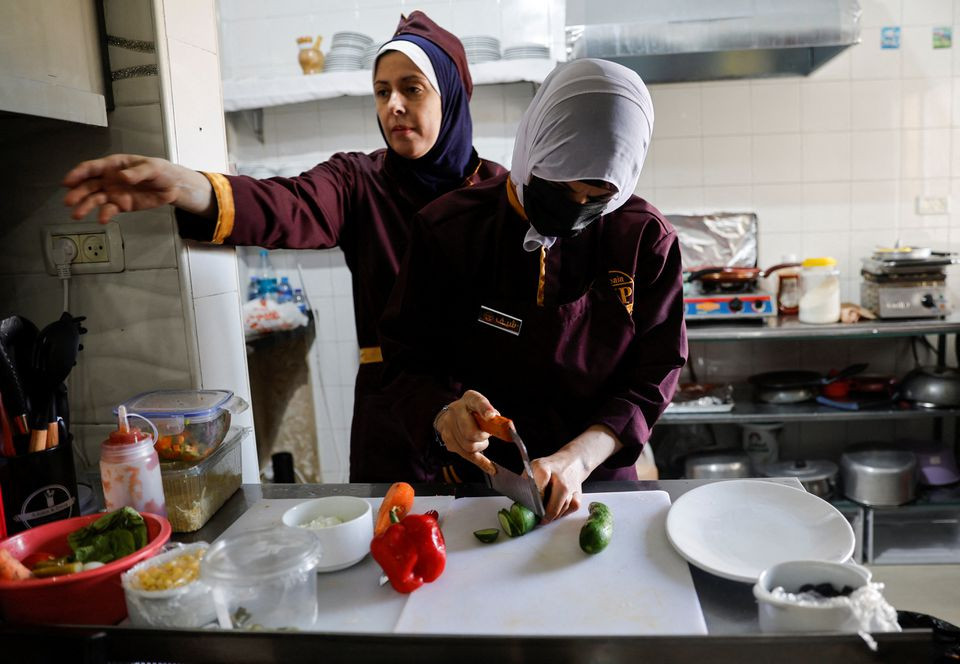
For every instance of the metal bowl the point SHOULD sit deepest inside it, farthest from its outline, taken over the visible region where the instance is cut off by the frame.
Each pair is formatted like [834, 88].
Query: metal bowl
[932, 387]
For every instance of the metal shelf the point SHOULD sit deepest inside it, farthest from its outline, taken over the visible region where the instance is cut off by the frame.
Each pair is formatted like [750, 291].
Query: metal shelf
[748, 410]
[790, 328]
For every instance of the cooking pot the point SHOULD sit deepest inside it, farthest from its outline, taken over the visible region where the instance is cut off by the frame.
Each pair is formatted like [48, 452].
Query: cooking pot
[878, 475]
[795, 386]
[717, 465]
[932, 387]
[817, 477]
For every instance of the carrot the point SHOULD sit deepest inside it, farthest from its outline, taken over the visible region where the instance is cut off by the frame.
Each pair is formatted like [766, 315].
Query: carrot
[12, 569]
[398, 501]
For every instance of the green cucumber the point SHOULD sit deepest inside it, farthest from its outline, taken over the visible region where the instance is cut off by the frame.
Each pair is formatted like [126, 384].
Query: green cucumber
[596, 532]
[524, 520]
[487, 535]
[506, 523]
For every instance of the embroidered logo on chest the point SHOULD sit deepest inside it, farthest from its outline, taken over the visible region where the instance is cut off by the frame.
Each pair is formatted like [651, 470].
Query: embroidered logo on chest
[501, 321]
[622, 283]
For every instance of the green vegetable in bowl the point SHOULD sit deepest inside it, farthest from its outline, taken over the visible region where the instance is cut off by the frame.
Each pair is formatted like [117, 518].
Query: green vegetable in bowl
[110, 537]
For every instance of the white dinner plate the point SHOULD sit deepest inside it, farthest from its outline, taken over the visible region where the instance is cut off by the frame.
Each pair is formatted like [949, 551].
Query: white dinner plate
[738, 528]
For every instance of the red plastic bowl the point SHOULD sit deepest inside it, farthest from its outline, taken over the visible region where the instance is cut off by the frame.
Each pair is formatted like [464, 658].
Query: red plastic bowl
[94, 597]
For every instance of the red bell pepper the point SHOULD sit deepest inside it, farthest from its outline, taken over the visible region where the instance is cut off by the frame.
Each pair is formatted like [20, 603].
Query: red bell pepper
[411, 552]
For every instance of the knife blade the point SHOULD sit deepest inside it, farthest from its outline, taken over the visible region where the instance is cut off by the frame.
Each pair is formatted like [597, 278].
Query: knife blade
[522, 488]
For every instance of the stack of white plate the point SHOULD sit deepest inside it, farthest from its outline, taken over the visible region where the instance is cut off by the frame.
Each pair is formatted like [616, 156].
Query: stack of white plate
[370, 54]
[347, 51]
[481, 48]
[527, 50]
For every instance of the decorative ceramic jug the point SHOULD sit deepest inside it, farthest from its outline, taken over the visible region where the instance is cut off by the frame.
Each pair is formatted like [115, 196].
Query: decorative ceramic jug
[311, 58]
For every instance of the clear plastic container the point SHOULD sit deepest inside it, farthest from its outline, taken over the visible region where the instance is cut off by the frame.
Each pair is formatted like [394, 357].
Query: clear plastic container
[264, 579]
[196, 490]
[188, 605]
[819, 291]
[191, 423]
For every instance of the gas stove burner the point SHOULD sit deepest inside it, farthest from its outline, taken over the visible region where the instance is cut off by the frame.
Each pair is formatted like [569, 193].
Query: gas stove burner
[751, 304]
[709, 287]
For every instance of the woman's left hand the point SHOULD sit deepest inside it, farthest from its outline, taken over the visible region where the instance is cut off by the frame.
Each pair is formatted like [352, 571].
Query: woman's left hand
[559, 476]
[562, 474]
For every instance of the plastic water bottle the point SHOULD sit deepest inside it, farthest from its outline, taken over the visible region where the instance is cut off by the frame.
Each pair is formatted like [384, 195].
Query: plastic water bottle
[284, 291]
[253, 288]
[268, 277]
[300, 301]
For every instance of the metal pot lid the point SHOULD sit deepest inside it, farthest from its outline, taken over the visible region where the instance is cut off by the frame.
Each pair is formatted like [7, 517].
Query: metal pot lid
[878, 460]
[901, 253]
[802, 469]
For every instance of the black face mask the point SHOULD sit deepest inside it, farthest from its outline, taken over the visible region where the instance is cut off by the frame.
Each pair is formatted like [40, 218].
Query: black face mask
[553, 214]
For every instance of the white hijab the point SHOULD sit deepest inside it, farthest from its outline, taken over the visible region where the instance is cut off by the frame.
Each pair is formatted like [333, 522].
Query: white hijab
[590, 120]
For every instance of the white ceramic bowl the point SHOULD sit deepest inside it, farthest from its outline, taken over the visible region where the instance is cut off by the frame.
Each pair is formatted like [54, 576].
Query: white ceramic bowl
[344, 544]
[779, 615]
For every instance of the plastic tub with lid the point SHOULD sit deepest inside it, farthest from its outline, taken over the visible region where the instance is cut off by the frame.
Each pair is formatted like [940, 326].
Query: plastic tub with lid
[264, 579]
[819, 291]
[191, 423]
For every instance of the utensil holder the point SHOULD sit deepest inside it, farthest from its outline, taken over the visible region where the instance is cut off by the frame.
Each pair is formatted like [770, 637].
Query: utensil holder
[39, 487]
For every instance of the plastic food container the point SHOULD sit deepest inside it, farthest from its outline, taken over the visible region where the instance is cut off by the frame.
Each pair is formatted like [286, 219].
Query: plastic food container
[344, 544]
[780, 615]
[187, 605]
[819, 291]
[191, 423]
[264, 579]
[195, 491]
[93, 597]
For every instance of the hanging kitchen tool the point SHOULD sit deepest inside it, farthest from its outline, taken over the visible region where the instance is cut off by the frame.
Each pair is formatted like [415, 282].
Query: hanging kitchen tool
[7, 448]
[522, 488]
[785, 387]
[56, 354]
[14, 395]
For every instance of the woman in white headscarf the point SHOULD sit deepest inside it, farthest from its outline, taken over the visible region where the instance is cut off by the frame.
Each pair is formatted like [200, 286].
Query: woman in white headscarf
[552, 295]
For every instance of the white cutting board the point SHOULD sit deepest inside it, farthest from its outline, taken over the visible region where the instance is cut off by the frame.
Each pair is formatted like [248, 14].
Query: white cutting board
[350, 600]
[543, 584]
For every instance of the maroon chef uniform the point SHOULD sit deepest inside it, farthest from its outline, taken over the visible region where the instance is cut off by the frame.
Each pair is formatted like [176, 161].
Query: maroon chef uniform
[588, 332]
[362, 203]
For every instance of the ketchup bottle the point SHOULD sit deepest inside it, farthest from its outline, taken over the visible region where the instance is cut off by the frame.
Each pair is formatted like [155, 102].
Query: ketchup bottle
[130, 469]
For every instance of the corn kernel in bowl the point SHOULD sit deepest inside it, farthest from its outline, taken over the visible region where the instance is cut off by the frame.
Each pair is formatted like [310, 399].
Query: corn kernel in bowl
[173, 573]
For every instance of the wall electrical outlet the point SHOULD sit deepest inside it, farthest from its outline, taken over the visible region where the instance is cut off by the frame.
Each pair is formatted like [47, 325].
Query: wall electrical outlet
[933, 205]
[99, 247]
[93, 248]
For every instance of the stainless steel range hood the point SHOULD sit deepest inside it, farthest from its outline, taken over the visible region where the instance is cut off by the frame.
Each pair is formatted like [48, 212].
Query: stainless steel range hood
[700, 40]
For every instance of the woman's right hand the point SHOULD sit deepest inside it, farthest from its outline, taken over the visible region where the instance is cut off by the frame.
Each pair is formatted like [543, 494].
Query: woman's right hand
[459, 431]
[128, 182]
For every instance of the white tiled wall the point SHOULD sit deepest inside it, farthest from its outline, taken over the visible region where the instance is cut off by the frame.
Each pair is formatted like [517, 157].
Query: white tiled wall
[189, 60]
[832, 163]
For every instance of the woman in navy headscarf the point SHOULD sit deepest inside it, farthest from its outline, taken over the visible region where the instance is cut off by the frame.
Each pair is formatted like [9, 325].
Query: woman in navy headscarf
[362, 203]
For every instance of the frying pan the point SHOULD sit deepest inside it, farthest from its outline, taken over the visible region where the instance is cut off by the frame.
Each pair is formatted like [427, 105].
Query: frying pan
[781, 387]
[736, 275]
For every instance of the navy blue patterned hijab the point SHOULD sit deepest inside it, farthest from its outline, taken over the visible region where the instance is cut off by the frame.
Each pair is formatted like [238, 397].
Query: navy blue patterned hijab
[449, 161]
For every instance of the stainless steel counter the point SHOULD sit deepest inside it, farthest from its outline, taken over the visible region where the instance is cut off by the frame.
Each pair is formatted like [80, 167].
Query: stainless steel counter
[728, 606]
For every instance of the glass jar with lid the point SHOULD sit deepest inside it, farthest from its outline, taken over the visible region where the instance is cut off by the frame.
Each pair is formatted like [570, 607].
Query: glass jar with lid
[819, 291]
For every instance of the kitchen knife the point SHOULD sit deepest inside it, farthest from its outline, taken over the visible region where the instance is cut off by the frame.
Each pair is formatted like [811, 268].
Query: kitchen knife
[522, 488]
